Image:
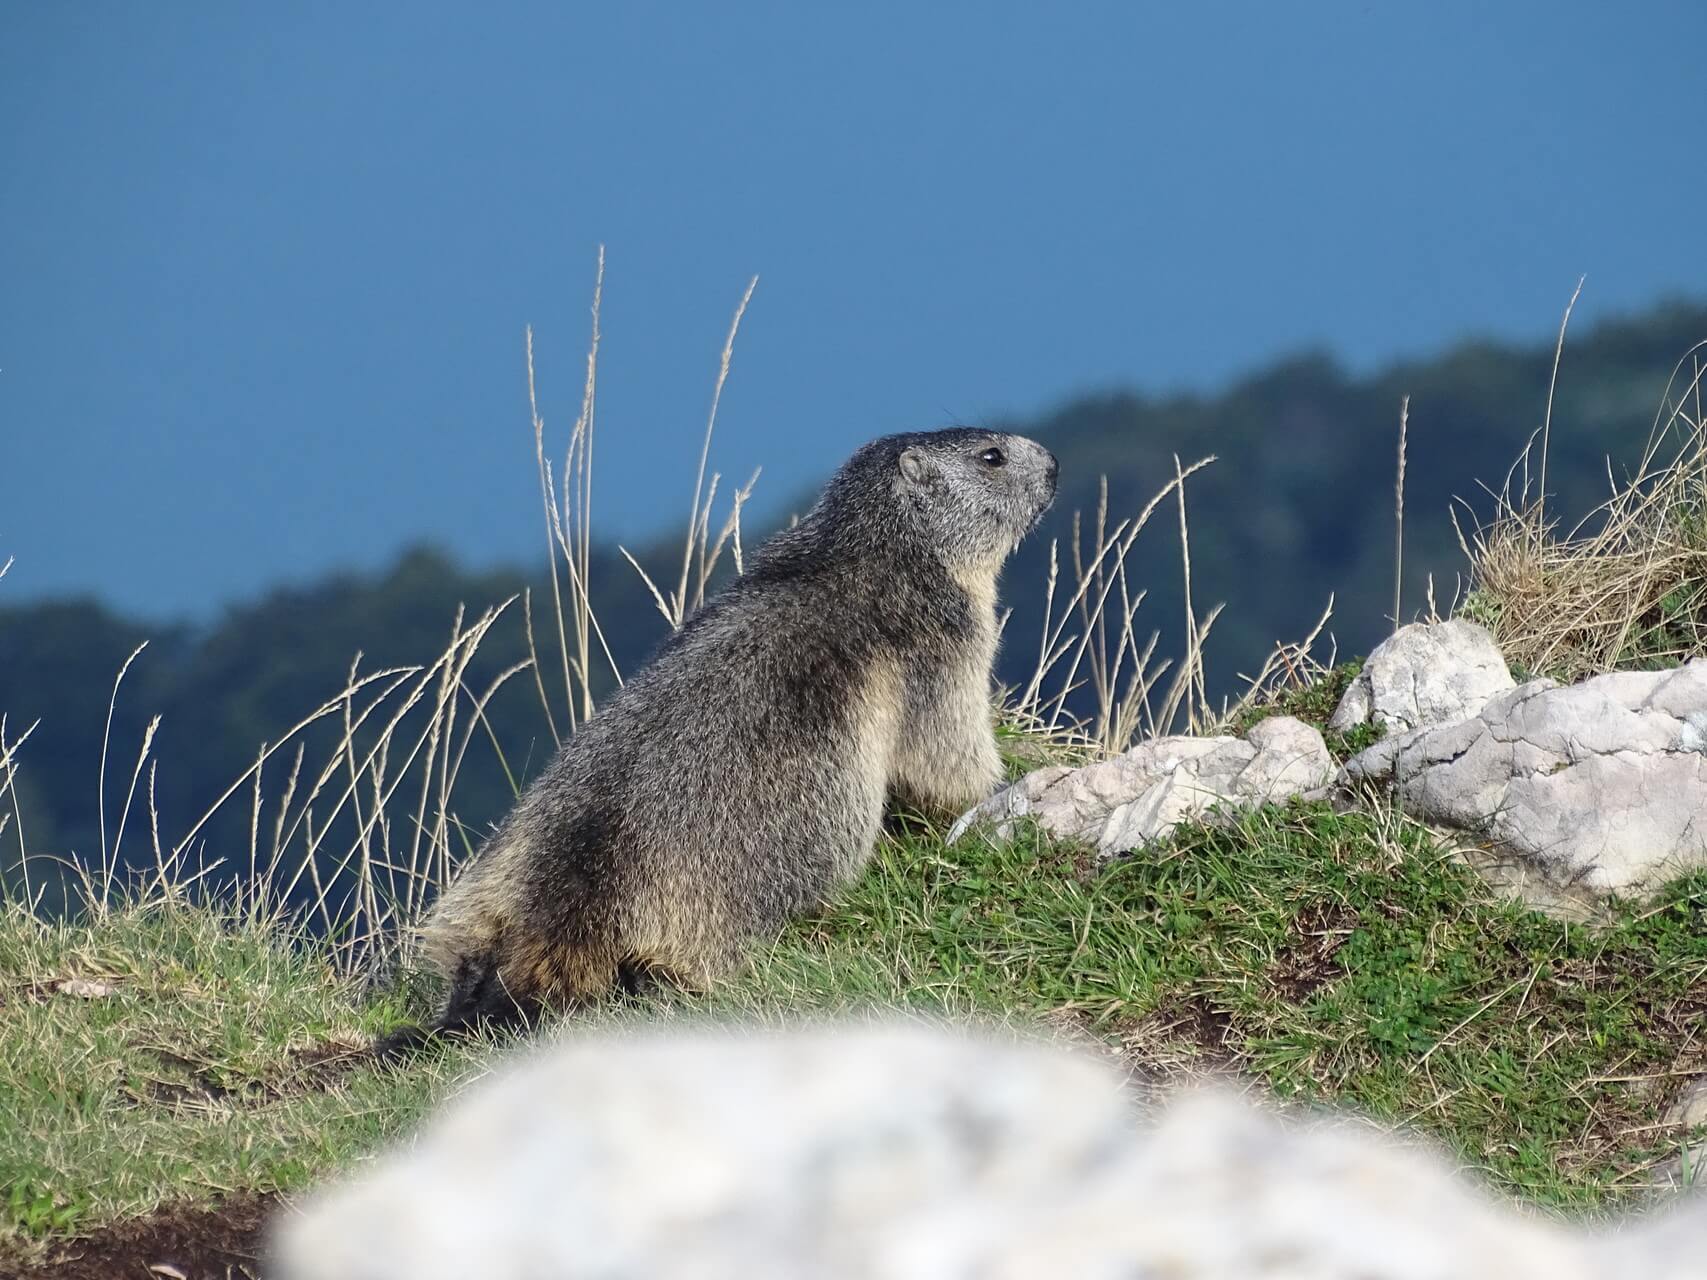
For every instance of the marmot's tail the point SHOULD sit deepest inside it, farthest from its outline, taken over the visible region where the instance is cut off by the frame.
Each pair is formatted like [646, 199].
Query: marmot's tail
[478, 998]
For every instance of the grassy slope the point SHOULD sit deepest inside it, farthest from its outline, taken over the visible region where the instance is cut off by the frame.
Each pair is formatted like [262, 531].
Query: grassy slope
[1339, 957]
[1330, 956]
[206, 1070]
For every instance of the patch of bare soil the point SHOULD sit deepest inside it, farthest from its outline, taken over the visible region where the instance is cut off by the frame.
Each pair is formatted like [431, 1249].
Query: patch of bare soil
[1190, 1023]
[1308, 962]
[188, 1241]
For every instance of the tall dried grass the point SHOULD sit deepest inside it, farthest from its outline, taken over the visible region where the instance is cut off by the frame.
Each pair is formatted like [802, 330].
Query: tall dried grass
[1624, 586]
[1104, 652]
[386, 777]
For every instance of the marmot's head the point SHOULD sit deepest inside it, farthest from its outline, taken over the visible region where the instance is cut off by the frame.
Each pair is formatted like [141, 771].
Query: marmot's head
[968, 496]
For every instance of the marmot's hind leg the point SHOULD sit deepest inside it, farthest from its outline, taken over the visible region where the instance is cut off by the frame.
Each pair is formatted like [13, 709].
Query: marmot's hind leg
[638, 978]
[478, 998]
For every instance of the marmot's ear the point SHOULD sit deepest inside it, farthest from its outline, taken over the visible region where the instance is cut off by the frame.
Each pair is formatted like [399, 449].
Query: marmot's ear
[916, 465]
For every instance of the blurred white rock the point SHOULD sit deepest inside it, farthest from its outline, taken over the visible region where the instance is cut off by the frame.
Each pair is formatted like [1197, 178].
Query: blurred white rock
[911, 1154]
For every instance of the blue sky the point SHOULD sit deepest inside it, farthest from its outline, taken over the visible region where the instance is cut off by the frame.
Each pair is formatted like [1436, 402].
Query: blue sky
[266, 269]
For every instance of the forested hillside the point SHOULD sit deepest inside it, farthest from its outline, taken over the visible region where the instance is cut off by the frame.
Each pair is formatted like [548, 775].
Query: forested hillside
[1300, 504]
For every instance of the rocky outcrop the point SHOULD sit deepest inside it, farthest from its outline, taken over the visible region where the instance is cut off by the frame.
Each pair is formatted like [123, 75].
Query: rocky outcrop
[1126, 803]
[1600, 786]
[891, 1154]
[1424, 674]
[1570, 795]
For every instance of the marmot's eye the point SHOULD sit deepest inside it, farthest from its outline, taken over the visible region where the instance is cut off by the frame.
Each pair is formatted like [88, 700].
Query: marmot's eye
[993, 458]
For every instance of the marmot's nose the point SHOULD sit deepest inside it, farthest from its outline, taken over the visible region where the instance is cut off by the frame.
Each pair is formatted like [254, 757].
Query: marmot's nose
[1054, 467]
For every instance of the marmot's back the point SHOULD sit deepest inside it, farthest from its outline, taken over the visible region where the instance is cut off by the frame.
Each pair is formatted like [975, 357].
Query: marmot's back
[742, 774]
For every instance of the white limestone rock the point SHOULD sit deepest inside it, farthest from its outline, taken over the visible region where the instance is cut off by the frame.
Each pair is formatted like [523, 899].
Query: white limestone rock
[1134, 799]
[1600, 786]
[1424, 674]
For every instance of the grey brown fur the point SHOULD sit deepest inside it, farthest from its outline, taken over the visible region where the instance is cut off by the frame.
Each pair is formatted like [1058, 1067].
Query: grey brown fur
[742, 776]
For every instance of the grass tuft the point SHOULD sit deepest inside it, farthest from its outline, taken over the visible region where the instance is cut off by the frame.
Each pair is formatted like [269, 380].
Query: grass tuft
[1626, 587]
[1314, 703]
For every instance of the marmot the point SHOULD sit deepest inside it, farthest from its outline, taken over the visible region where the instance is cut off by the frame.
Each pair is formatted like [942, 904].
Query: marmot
[741, 776]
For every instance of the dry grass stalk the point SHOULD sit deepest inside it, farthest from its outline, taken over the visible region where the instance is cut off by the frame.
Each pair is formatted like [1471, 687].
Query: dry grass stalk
[109, 857]
[700, 552]
[1553, 386]
[1399, 516]
[697, 521]
[1290, 665]
[569, 534]
[1626, 585]
[13, 816]
[1122, 674]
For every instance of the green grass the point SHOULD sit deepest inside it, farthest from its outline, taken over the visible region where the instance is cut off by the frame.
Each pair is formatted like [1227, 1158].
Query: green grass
[1335, 957]
[1314, 703]
[1330, 957]
[218, 1062]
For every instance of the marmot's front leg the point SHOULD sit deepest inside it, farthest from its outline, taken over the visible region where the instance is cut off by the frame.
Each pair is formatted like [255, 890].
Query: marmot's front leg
[946, 760]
